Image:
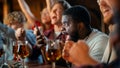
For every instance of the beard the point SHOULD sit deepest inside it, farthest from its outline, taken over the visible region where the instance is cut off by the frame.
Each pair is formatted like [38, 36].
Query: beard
[75, 39]
[108, 20]
[74, 36]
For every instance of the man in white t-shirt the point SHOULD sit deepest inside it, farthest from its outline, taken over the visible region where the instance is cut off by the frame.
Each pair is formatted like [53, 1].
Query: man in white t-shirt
[76, 21]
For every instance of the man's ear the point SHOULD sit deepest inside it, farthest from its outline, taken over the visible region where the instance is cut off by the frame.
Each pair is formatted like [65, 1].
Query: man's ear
[80, 25]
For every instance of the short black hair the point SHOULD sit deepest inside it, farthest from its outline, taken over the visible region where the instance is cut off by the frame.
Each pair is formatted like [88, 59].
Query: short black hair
[79, 14]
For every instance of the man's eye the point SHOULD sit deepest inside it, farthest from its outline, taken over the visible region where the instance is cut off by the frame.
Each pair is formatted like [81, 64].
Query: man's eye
[65, 24]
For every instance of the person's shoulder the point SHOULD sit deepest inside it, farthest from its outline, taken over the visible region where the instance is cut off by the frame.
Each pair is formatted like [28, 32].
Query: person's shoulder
[31, 38]
[98, 37]
[29, 33]
[99, 33]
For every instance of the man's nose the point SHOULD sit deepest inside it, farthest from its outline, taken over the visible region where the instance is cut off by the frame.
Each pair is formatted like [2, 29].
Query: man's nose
[100, 2]
[63, 30]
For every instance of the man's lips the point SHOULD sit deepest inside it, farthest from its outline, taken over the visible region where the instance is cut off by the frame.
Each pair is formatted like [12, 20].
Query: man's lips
[53, 17]
[105, 12]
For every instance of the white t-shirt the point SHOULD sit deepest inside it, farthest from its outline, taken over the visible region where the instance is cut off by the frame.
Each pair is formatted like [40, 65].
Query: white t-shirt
[107, 53]
[57, 34]
[97, 42]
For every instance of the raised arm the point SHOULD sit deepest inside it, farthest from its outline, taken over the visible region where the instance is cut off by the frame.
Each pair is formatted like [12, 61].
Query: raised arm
[49, 4]
[26, 10]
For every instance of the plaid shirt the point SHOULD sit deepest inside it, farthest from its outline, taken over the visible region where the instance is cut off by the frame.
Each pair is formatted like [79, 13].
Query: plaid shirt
[51, 35]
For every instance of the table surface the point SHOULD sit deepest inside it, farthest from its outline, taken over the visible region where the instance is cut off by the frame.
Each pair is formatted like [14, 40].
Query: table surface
[43, 66]
[35, 65]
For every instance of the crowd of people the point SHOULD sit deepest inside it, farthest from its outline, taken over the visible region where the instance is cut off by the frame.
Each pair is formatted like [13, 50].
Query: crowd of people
[82, 45]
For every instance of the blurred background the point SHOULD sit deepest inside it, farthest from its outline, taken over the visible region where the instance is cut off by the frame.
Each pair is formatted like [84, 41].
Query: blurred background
[36, 6]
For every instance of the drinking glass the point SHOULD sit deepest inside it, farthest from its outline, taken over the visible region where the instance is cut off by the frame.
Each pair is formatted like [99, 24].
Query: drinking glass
[23, 51]
[53, 51]
[15, 51]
